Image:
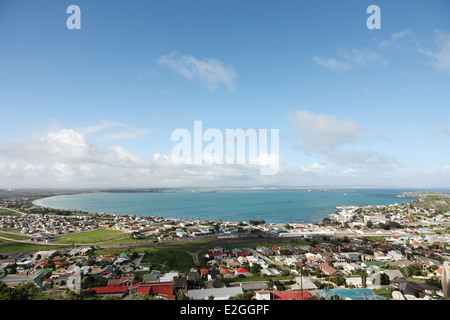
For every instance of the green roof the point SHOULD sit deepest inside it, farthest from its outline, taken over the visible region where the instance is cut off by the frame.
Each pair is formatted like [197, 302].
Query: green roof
[46, 270]
[150, 277]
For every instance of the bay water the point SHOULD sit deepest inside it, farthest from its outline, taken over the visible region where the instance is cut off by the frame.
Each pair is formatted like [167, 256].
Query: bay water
[270, 205]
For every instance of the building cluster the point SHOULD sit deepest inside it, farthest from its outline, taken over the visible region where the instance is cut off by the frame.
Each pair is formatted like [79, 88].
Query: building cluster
[411, 224]
[340, 260]
[402, 223]
[354, 269]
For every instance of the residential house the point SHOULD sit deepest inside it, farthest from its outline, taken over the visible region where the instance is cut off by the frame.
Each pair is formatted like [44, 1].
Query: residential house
[254, 286]
[270, 272]
[327, 269]
[169, 276]
[152, 276]
[162, 290]
[116, 291]
[226, 273]
[242, 254]
[216, 283]
[351, 267]
[392, 274]
[214, 274]
[282, 295]
[327, 257]
[354, 281]
[37, 277]
[303, 283]
[233, 263]
[407, 287]
[243, 271]
[182, 284]
[216, 255]
[395, 255]
[351, 256]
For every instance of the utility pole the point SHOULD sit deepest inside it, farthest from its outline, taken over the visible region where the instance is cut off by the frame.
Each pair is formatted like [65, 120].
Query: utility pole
[301, 282]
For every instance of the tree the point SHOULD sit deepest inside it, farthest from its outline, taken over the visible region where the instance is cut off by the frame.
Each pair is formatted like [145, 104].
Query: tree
[338, 279]
[285, 273]
[241, 297]
[363, 274]
[434, 281]
[256, 222]
[255, 268]
[384, 279]
[28, 291]
[183, 296]
[413, 269]
[5, 292]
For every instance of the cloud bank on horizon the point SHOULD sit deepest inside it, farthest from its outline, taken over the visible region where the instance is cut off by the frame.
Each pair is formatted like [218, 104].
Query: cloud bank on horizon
[96, 107]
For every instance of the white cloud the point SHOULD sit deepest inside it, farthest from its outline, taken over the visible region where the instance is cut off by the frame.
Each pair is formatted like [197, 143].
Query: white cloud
[349, 172]
[361, 158]
[439, 171]
[332, 63]
[124, 134]
[101, 126]
[318, 166]
[66, 158]
[323, 134]
[441, 53]
[319, 132]
[438, 51]
[351, 58]
[210, 72]
[108, 130]
[402, 39]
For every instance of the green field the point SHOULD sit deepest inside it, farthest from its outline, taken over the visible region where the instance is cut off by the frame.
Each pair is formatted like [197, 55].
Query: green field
[16, 247]
[102, 236]
[166, 260]
[161, 259]
[13, 236]
[6, 212]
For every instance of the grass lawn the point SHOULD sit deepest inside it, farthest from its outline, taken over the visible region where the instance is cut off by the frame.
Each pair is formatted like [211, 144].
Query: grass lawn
[162, 259]
[383, 292]
[13, 236]
[15, 230]
[13, 247]
[167, 259]
[102, 236]
[6, 212]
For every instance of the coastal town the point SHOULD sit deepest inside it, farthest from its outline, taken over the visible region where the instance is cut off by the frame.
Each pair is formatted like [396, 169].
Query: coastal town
[395, 252]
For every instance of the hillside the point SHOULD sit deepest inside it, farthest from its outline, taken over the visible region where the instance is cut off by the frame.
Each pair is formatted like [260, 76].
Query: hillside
[439, 201]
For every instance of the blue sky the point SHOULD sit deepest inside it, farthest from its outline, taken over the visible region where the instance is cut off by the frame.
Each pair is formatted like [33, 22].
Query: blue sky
[96, 107]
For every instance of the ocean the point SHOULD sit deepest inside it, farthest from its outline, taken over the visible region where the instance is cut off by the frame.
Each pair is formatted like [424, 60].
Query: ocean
[270, 205]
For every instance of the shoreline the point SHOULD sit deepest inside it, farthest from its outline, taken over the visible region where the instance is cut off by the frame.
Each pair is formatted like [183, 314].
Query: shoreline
[401, 195]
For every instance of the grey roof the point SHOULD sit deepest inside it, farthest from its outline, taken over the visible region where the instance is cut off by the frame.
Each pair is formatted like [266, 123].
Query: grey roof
[216, 283]
[254, 286]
